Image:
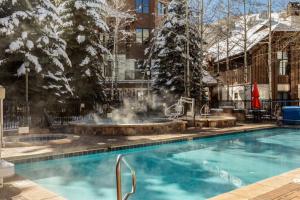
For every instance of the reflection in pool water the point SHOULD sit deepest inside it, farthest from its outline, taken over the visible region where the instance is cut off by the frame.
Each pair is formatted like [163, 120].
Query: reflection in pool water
[193, 170]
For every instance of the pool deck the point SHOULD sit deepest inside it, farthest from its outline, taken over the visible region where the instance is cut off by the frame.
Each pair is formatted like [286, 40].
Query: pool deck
[17, 188]
[283, 187]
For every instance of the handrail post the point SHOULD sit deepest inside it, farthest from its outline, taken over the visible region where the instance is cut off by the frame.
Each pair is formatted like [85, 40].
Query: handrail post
[119, 179]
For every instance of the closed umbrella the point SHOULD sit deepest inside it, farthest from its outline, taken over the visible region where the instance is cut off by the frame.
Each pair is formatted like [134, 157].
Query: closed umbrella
[255, 97]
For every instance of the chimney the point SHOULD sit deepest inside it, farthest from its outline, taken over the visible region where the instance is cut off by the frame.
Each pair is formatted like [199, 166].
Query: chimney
[293, 14]
[293, 9]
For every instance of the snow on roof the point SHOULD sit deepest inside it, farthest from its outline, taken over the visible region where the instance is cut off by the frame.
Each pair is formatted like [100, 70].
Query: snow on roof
[208, 79]
[254, 35]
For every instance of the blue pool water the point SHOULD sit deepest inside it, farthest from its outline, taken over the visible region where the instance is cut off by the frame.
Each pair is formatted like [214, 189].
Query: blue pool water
[192, 170]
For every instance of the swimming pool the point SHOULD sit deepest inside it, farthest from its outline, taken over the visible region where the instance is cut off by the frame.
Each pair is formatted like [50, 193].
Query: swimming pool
[191, 170]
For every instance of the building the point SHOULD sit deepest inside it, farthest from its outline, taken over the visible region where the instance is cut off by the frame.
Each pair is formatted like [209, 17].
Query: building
[131, 81]
[237, 80]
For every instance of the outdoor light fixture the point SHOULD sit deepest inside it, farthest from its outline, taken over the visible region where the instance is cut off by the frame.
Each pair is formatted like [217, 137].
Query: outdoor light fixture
[6, 169]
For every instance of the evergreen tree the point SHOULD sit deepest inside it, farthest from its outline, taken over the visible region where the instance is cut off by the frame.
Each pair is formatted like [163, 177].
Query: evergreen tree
[83, 28]
[169, 57]
[30, 40]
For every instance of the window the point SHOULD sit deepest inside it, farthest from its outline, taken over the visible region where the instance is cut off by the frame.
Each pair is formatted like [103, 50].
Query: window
[142, 6]
[142, 35]
[161, 8]
[129, 75]
[139, 35]
[283, 62]
[108, 69]
[141, 95]
[139, 75]
[283, 96]
[236, 96]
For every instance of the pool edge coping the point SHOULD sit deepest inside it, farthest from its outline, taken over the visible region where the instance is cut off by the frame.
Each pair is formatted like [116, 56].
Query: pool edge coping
[118, 147]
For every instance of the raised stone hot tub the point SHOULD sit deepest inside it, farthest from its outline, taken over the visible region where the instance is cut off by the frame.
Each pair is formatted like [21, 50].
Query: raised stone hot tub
[39, 139]
[140, 127]
[213, 122]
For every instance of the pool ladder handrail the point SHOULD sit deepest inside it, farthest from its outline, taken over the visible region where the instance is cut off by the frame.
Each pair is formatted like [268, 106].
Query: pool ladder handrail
[205, 110]
[121, 160]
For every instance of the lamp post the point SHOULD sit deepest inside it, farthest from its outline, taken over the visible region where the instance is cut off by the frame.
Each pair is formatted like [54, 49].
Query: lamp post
[27, 92]
[148, 85]
[2, 97]
[187, 33]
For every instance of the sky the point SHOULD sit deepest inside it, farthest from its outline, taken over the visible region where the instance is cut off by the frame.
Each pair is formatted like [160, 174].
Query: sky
[216, 9]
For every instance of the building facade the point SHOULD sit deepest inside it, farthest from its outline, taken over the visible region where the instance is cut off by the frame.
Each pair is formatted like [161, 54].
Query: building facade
[237, 81]
[132, 82]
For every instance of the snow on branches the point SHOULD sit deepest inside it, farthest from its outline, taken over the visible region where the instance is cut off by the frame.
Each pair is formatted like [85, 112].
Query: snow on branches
[30, 34]
[84, 25]
[168, 56]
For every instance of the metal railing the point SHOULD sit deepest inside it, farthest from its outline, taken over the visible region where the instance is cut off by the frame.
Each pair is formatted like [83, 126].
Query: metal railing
[14, 115]
[121, 160]
[205, 110]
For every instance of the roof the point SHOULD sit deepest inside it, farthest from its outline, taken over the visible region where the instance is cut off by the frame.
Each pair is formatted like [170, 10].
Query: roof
[255, 34]
[208, 79]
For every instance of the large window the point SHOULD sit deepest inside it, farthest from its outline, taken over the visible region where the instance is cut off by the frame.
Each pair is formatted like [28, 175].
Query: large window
[142, 6]
[161, 8]
[283, 62]
[138, 75]
[129, 75]
[142, 35]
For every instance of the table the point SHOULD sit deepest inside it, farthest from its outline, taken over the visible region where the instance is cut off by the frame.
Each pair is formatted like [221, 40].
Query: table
[257, 114]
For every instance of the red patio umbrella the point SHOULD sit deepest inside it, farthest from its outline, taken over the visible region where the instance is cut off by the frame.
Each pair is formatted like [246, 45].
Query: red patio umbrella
[255, 97]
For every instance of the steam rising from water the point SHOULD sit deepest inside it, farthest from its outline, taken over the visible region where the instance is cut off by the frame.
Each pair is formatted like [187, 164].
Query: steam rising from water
[130, 113]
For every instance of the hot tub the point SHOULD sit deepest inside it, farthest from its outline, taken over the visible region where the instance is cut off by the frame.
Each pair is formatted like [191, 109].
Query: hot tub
[39, 139]
[291, 115]
[137, 127]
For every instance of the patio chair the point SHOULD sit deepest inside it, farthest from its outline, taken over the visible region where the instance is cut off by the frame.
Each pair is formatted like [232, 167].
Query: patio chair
[249, 116]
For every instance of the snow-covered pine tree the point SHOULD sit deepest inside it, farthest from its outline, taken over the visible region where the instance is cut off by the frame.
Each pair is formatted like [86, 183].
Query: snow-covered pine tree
[29, 38]
[168, 54]
[83, 27]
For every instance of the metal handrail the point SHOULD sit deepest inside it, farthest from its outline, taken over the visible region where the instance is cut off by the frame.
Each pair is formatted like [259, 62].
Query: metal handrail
[121, 159]
[178, 111]
[204, 111]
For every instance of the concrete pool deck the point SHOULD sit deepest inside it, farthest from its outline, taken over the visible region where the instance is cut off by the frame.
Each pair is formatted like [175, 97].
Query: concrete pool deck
[18, 188]
[282, 187]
